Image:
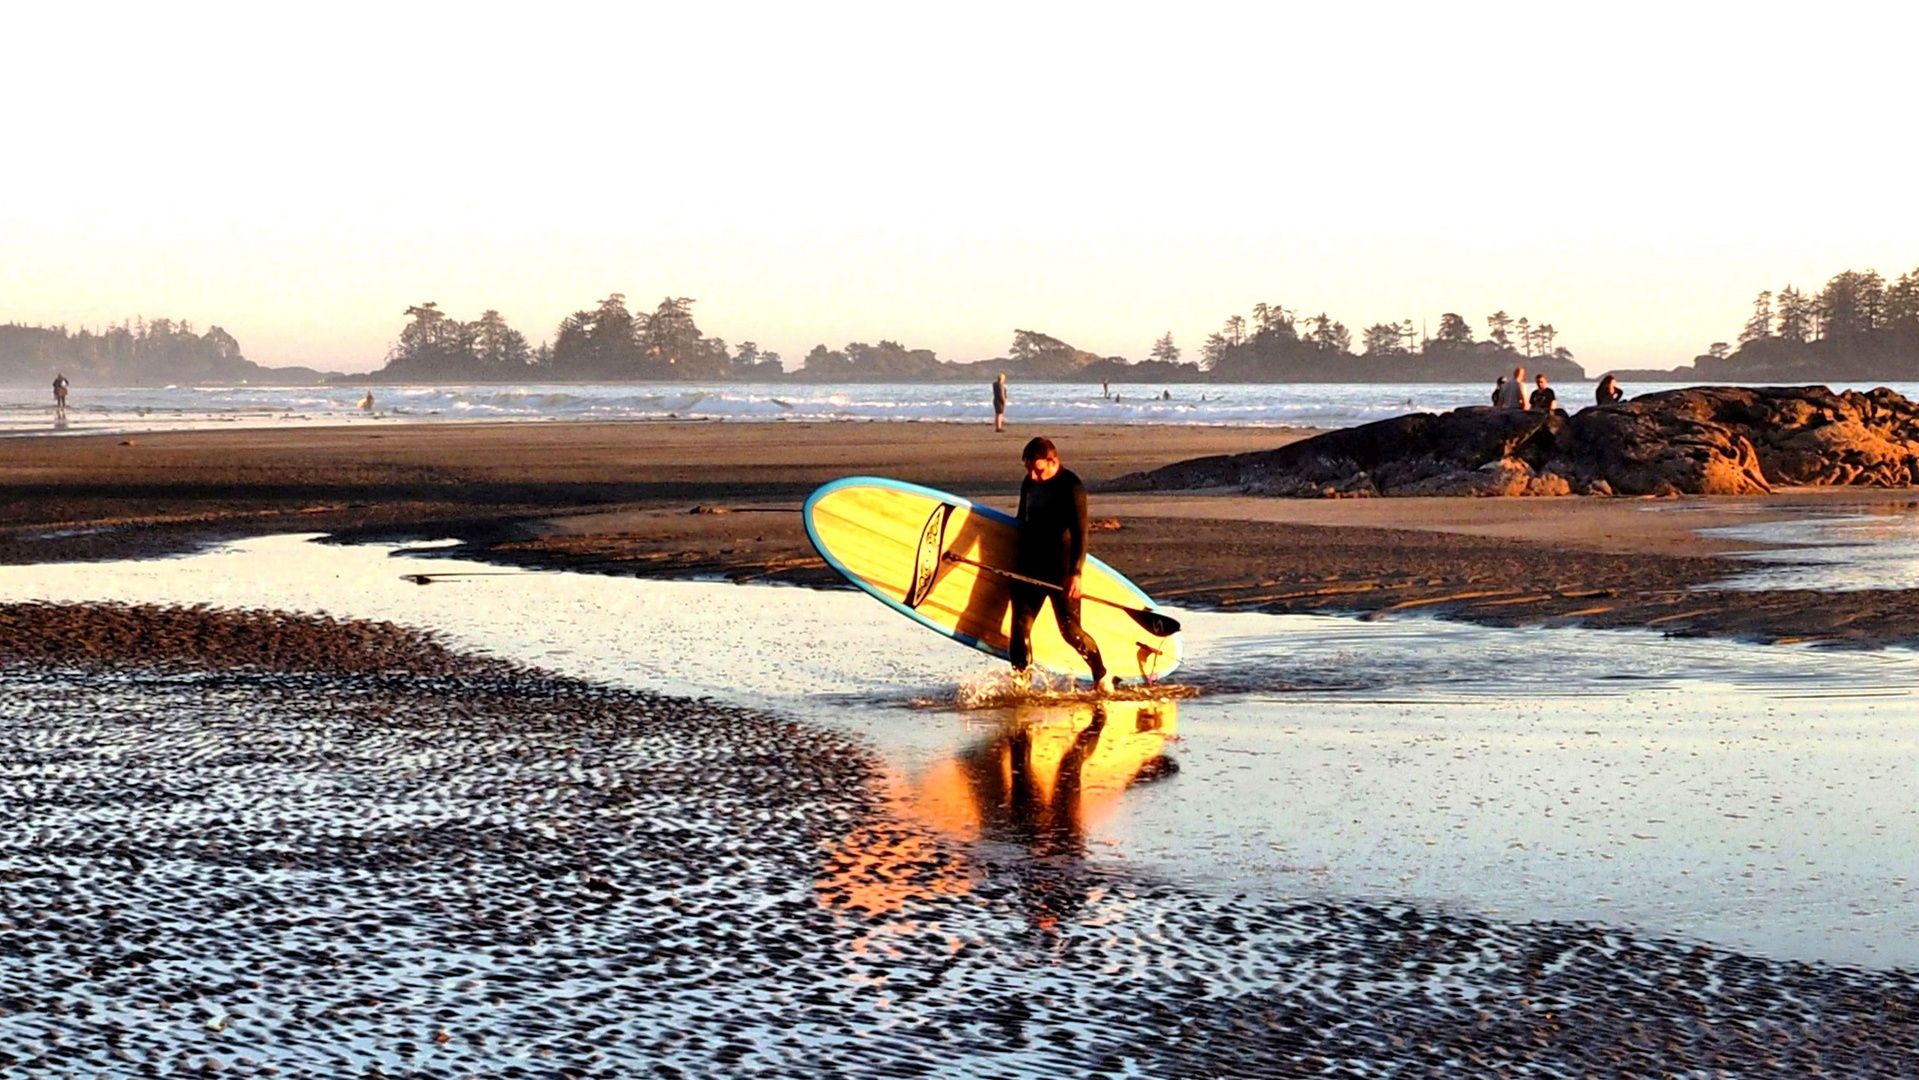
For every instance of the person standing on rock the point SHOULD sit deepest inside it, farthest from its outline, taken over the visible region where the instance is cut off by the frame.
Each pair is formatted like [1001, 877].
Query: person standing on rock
[1512, 395]
[999, 402]
[1543, 399]
[1609, 392]
[1052, 549]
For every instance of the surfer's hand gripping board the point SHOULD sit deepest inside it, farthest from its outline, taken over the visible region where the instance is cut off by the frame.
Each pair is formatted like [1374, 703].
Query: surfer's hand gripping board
[944, 562]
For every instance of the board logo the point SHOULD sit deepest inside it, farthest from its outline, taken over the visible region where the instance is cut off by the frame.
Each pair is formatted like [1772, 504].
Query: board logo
[926, 563]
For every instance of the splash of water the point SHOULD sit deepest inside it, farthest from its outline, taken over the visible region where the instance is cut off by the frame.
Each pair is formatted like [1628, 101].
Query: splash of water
[998, 688]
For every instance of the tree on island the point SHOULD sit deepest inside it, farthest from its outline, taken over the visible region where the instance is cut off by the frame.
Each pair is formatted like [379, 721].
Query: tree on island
[605, 342]
[1857, 328]
[1383, 339]
[889, 361]
[136, 353]
[498, 347]
[1164, 351]
[1499, 327]
[1454, 330]
[1282, 348]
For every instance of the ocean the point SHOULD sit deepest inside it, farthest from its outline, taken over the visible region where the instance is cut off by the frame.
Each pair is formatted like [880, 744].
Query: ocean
[103, 410]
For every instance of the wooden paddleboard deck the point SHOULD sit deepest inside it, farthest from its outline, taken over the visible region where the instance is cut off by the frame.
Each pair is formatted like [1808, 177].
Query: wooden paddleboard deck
[890, 539]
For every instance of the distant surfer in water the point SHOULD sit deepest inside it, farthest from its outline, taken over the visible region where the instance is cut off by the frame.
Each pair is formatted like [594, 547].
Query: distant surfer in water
[60, 396]
[1052, 548]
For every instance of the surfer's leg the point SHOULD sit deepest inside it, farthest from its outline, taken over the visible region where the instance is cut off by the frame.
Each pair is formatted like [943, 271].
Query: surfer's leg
[1026, 602]
[1066, 613]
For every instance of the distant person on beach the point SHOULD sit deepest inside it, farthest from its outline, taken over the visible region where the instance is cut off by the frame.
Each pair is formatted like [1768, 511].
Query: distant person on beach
[999, 402]
[1106, 388]
[1609, 392]
[60, 396]
[1513, 394]
[1052, 549]
[1543, 399]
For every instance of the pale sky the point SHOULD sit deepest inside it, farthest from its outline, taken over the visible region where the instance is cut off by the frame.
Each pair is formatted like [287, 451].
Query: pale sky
[1631, 173]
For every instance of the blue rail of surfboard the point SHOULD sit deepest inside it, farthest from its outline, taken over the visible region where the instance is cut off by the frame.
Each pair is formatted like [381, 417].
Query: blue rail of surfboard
[806, 516]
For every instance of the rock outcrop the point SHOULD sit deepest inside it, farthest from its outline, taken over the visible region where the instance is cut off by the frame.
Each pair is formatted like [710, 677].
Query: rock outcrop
[1711, 440]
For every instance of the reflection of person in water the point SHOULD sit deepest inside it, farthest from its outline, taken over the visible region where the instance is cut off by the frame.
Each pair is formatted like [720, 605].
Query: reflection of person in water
[1023, 799]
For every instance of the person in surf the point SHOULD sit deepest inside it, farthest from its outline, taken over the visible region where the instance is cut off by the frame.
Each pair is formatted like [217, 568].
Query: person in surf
[1052, 548]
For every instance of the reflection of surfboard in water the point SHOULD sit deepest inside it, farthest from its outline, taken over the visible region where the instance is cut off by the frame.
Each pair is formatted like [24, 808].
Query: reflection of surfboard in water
[891, 539]
[1043, 778]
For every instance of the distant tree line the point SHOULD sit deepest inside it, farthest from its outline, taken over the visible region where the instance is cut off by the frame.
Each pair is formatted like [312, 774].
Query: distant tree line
[606, 343]
[611, 343]
[136, 353]
[1277, 345]
[1857, 328]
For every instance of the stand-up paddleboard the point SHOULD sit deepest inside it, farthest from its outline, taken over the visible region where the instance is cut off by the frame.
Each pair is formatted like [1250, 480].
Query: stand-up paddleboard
[943, 562]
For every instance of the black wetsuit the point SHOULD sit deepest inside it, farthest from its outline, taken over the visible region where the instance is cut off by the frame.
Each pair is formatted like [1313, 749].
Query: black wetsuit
[1544, 399]
[1052, 548]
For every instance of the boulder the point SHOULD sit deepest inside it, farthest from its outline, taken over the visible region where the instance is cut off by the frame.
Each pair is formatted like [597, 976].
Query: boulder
[1431, 452]
[1712, 440]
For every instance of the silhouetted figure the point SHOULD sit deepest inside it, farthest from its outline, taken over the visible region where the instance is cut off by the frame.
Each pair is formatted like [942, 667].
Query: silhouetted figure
[1513, 394]
[60, 397]
[999, 402]
[366, 403]
[1543, 399]
[1106, 388]
[1609, 392]
[1499, 390]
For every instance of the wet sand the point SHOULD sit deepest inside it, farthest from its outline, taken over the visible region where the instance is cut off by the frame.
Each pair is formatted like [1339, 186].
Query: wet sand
[622, 498]
[325, 846]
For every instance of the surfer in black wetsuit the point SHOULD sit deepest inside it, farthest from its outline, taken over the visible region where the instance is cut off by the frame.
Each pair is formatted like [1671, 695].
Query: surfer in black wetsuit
[1052, 548]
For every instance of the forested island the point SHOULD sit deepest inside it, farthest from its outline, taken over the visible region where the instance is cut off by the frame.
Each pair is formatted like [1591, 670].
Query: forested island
[1856, 329]
[610, 343]
[139, 353]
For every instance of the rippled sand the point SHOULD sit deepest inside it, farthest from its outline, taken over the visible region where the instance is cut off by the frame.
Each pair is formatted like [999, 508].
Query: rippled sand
[330, 848]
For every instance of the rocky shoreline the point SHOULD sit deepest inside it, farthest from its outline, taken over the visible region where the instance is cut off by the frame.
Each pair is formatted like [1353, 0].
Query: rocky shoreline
[1707, 440]
[262, 844]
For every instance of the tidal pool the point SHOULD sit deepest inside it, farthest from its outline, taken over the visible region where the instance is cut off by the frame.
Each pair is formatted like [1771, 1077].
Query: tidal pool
[1755, 797]
[1877, 548]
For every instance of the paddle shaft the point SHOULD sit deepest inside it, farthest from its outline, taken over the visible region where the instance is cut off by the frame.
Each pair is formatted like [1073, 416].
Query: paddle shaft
[1166, 622]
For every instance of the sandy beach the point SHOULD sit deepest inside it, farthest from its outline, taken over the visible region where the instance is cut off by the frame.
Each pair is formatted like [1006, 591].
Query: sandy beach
[620, 498]
[262, 840]
[256, 844]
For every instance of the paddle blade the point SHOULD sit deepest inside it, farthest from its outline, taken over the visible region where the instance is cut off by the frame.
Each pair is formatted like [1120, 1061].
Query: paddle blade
[1155, 623]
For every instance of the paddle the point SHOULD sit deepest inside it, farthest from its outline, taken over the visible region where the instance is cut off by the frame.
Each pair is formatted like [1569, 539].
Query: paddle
[1155, 623]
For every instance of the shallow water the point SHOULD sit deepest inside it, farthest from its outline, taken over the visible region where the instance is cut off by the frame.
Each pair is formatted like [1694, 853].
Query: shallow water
[1877, 548]
[1745, 795]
